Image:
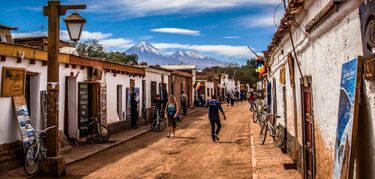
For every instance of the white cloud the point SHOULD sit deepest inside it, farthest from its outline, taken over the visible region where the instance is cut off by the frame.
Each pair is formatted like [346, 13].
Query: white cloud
[28, 34]
[132, 8]
[64, 35]
[261, 20]
[220, 50]
[232, 37]
[116, 44]
[86, 35]
[176, 31]
[111, 44]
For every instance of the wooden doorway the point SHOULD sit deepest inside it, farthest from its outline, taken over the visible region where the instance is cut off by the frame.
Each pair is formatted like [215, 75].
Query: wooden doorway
[308, 128]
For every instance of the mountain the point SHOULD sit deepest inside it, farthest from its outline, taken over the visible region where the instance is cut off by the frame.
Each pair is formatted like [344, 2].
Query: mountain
[148, 53]
[191, 57]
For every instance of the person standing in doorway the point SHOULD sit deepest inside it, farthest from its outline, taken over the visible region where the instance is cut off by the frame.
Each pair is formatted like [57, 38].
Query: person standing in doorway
[213, 115]
[184, 99]
[134, 110]
[171, 111]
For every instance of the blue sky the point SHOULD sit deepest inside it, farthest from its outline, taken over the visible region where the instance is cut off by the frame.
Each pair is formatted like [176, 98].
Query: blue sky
[218, 28]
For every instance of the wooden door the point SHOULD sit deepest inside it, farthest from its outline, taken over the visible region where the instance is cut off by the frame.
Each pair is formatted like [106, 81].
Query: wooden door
[308, 130]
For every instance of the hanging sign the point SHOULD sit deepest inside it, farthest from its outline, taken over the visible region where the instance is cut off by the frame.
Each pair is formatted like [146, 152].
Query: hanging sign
[26, 129]
[13, 82]
[291, 69]
[346, 130]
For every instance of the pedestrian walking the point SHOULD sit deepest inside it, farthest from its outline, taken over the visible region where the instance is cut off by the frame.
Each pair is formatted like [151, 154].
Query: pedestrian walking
[227, 95]
[232, 98]
[213, 115]
[184, 99]
[134, 110]
[171, 111]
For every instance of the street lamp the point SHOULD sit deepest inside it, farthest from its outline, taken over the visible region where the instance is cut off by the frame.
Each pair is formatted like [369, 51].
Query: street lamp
[54, 165]
[74, 23]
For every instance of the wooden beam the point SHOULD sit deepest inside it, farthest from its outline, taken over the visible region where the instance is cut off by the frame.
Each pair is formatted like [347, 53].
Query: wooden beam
[82, 67]
[19, 60]
[321, 16]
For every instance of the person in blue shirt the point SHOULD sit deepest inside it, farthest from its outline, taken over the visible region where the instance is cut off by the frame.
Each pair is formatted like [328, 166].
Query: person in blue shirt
[213, 115]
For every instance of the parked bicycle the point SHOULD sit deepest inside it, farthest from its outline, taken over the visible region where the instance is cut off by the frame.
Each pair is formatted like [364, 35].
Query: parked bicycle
[158, 124]
[36, 152]
[276, 132]
[99, 132]
[259, 112]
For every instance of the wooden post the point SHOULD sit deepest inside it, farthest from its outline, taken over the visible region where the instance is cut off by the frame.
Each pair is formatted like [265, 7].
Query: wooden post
[54, 165]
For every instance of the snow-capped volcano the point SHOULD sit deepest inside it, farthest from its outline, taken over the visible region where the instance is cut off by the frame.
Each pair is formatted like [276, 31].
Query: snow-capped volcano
[148, 53]
[191, 57]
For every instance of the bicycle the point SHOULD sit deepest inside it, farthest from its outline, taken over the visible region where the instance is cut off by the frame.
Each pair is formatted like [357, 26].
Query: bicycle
[277, 133]
[36, 152]
[99, 132]
[158, 124]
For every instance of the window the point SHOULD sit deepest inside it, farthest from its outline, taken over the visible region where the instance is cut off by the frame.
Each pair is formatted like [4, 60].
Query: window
[153, 90]
[119, 101]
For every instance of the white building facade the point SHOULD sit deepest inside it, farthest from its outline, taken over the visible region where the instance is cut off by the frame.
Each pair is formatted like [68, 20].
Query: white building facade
[322, 45]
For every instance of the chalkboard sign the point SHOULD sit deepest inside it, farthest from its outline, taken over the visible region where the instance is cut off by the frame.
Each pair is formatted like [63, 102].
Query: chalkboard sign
[103, 103]
[83, 110]
[26, 129]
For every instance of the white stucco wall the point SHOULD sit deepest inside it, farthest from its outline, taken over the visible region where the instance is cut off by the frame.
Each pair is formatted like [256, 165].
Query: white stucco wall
[152, 75]
[321, 59]
[9, 128]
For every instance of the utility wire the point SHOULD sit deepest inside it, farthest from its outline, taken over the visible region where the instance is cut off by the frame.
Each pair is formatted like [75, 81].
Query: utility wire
[274, 14]
[291, 38]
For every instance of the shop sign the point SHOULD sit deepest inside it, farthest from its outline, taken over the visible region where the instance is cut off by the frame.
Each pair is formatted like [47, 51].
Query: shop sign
[13, 82]
[346, 130]
[291, 69]
[132, 83]
[23, 119]
[282, 75]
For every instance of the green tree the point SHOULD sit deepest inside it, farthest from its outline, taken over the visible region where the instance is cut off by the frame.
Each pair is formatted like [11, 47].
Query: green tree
[245, 73]
[121, 57]
[91, 48]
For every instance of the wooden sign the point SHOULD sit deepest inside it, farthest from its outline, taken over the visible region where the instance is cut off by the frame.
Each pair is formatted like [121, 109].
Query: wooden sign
[13, 82]
[132, 83]
[291, 69]
[282, 75]
[26, 129]
[97, 74]
[346, 131]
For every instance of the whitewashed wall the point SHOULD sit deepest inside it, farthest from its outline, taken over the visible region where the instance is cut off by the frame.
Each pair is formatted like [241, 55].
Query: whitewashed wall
[112, 82]
[322, 59]
[9, 128]
[152, 75]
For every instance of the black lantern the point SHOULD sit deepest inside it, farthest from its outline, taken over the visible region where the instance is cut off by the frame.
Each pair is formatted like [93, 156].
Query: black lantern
[74, 24]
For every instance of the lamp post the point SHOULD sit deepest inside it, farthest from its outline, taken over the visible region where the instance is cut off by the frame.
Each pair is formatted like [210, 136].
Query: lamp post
[54, 165]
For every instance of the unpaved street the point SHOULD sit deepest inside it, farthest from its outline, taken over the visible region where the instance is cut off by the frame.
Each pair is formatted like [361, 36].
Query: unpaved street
[191, 154]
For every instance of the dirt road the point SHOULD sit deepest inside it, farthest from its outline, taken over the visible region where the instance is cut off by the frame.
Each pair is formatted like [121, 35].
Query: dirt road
[191, 154]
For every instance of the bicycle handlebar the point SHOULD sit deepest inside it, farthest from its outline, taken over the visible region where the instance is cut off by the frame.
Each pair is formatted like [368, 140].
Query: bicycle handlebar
[45, 130]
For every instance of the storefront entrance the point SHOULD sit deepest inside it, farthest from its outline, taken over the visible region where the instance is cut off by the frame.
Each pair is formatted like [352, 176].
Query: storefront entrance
[92, 102]
[308, 129]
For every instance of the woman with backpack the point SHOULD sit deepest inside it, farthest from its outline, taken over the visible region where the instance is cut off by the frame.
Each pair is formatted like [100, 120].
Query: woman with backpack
[171, 111]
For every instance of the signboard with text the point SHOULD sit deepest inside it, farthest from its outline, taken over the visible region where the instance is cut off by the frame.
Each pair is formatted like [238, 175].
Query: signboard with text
[347, 118]
[13, 82]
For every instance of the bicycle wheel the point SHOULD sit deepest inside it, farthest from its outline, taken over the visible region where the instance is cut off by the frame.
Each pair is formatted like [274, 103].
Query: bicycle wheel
[255, 116]
[263, 134]
[158, 125]
[31, 159]
[100, 135]
[280, 136]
